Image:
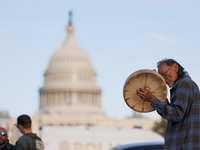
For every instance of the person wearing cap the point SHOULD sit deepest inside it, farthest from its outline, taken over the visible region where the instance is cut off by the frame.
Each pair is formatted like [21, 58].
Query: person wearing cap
[4, 142]
[29, 140]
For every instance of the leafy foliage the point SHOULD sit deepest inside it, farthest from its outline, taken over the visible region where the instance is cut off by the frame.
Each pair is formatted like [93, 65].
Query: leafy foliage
[160, 127]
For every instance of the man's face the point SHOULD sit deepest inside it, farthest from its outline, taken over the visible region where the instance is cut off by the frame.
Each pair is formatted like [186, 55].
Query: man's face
[3, 138]
[169, 73]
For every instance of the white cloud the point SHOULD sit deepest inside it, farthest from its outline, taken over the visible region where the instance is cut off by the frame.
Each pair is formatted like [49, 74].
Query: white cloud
[164, 38]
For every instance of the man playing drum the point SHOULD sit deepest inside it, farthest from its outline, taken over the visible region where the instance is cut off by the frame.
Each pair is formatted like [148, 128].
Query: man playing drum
[183, 111]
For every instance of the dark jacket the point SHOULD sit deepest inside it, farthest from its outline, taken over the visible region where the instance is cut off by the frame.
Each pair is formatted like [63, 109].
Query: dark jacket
[29, 141]
[8, 146]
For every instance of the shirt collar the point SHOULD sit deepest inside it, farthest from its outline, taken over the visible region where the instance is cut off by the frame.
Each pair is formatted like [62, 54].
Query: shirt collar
[176, 83]
[6, 142]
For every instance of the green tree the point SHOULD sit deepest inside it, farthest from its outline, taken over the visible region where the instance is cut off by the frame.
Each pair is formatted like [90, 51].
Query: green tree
[160, 126]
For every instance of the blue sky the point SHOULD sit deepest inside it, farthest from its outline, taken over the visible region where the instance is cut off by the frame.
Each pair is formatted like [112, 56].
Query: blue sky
[121, 37]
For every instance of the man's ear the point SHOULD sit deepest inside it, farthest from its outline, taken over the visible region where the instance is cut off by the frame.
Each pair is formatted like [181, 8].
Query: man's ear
[19, 126]
[175, 67]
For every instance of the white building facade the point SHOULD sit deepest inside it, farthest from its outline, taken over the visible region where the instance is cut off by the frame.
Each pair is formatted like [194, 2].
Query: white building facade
[70, 95]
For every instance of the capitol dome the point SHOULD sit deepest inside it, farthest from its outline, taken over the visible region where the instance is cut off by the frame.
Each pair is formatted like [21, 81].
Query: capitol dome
[70, 67]
[70, 87]
[70, 55]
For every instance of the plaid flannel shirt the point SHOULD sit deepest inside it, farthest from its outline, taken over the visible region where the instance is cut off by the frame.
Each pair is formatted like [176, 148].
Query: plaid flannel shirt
[183, 115]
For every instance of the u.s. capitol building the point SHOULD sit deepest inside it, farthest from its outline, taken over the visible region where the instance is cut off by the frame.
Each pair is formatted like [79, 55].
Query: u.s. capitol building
[70, 95]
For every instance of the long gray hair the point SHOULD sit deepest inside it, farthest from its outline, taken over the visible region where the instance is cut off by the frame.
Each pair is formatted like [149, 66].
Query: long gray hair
[170, 62]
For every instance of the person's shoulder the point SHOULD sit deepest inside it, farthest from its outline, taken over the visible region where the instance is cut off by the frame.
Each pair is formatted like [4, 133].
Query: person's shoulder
[39, 142]
[187, 80]
[10, 146]
[23, 138]
[33, 135]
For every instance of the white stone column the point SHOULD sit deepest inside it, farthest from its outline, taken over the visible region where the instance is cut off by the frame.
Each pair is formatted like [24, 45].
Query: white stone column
[95, 99]
[99, 100]
[87, 98]
[56, 98]
[74, 97]
[45, 99]
[40, 100]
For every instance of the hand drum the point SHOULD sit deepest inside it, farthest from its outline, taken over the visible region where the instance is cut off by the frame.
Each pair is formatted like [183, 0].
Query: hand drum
[145, 79]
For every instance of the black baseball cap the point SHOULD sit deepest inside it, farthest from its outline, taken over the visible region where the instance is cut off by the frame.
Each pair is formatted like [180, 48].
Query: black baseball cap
[23, 119]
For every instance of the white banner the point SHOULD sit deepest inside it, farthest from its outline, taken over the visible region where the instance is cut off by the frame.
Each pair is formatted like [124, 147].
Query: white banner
[93, 138]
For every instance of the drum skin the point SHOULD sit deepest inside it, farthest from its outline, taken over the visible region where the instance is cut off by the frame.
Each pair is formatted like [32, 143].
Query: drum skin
[145, 79]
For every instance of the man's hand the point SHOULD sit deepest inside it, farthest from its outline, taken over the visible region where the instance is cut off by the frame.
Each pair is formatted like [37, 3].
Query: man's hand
[145, 95]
